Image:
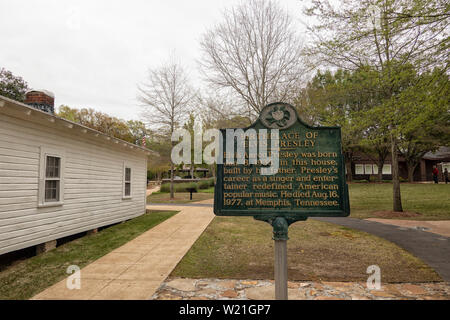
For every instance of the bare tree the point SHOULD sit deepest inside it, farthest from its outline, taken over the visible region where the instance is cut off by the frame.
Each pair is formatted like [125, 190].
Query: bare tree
[166, 96]
[254, 53]
[218, 108]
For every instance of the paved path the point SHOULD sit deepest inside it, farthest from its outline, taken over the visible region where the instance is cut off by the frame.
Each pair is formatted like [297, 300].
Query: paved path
[151, 190]
[137, 269]
[433, 249]
[439, 227]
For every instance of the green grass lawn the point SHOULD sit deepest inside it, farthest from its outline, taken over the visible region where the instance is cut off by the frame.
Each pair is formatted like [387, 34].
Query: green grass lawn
[181, 197]
[367, 200]
[26, 278]
[242, 248]
[429, 201]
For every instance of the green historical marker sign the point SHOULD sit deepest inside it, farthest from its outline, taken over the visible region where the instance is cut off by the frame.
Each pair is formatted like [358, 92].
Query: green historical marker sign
[280, 170]
[310, 181]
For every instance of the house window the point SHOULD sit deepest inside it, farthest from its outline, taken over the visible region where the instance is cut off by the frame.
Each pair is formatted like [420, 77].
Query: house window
[375, 169]
[445, 166]
[127, 182]
[51, 183]
[52, 178]
[368, 169]
[359, 169]
[387, 169]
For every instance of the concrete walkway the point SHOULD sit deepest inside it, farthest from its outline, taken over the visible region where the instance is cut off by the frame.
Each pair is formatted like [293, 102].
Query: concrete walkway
[151, 190]
[137, 269]
[438, 227]
[433, 249]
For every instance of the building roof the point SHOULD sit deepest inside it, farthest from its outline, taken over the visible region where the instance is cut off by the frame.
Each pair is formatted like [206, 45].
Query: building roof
[26, 112]
[443, 153]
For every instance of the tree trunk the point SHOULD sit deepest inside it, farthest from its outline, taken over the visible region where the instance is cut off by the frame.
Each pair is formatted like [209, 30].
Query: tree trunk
[397, 200]
[380, 165]
[411, 169]
[171, 181]
[348, 158]
[349, 171]
[192, 170]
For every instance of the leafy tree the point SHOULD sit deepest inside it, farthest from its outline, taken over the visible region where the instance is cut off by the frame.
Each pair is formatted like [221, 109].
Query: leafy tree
[336, 99]
[12, 86]
[354, 101]
[137, 130]
[425, 126]
[131, 131]
[386, 35]
[69, 113]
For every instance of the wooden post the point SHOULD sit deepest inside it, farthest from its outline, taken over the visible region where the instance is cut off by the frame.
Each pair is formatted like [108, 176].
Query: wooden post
[281, 292]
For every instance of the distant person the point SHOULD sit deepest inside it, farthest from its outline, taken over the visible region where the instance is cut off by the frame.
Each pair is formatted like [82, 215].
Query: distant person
[446, 176]
[435, 174]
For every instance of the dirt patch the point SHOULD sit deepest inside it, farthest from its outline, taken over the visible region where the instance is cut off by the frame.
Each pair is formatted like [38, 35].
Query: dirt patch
[396, 214]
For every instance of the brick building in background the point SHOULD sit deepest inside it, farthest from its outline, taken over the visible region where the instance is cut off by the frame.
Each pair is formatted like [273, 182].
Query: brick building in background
[365, 168]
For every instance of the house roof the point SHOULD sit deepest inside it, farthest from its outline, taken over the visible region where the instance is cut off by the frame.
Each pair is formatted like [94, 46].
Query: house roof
[443, 153]
[26, 112]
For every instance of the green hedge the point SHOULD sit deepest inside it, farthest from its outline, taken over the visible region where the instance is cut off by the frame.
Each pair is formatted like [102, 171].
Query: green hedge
[179, 187]
[205, 184]
[182, 187]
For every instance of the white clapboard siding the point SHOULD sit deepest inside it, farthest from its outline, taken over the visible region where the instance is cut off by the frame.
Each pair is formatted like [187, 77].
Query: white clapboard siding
[93, 186]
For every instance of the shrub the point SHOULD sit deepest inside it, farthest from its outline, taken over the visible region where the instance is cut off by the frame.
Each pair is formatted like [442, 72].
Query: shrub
[204, 184]
[360, 181]
[183, 187]
[179, 187]
[165, 187]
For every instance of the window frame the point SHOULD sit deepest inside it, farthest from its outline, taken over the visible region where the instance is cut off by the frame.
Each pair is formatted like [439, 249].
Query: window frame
[375, 169]
[385, 170]
[126, 166]
[368, 168]
[46, 152]
[361, 169]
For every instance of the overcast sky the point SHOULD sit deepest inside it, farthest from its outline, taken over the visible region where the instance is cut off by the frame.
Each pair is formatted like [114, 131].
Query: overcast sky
[94, 53]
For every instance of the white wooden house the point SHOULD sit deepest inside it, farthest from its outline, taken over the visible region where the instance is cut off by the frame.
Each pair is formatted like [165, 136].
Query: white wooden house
[58, 178]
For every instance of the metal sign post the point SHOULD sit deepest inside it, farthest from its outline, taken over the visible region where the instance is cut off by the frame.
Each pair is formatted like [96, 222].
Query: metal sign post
[281, 277]
[280, 227]
[310, 180]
